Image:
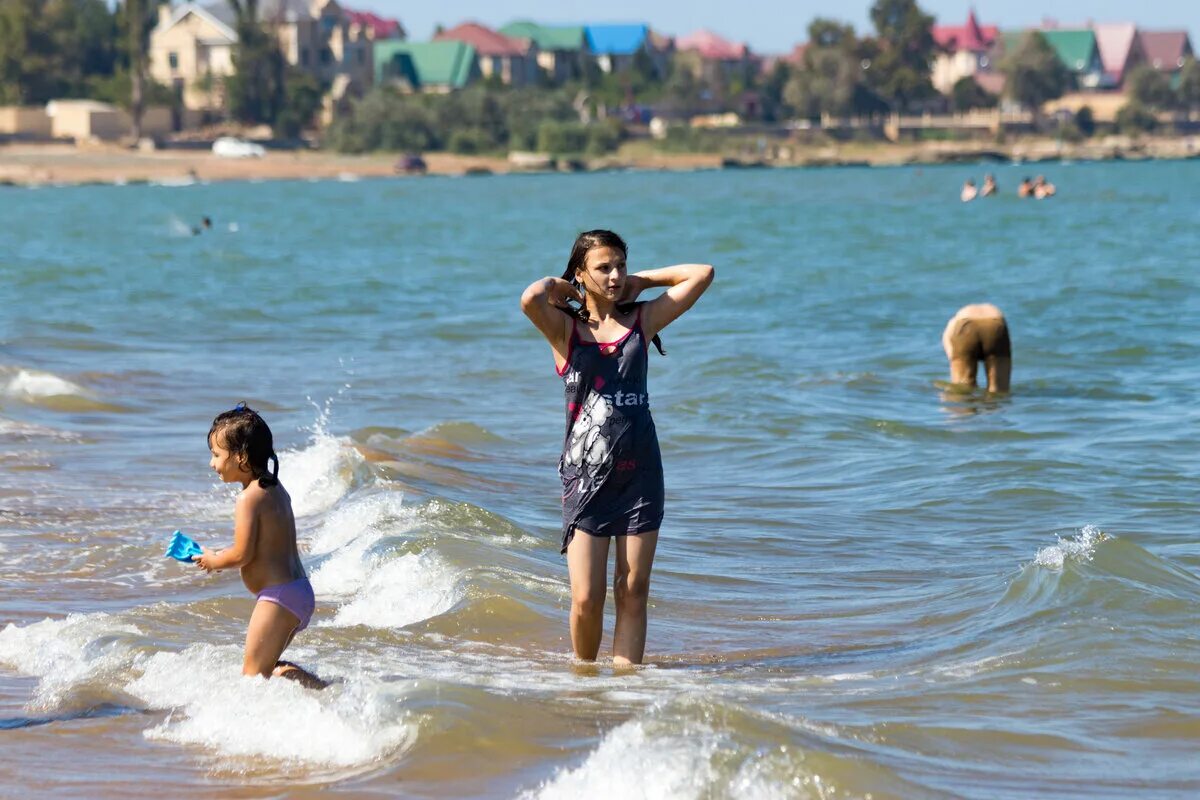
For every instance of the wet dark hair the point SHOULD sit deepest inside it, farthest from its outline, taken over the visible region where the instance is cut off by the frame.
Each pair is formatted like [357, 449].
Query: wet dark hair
[585, 243]
[243, 432]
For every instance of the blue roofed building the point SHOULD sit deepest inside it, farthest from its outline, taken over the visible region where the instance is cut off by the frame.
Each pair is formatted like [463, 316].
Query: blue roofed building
[614, 47]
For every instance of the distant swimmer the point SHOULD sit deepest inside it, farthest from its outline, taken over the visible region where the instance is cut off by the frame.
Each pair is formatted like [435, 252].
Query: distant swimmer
[989, 186]
[969, 192]
[205, 225]
[1026, 188]
[264, 544]
[1043, 188]
[978, 333]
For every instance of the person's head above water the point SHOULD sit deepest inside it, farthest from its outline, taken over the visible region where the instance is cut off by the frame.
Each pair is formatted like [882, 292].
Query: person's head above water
[597, 268]
[242, 447]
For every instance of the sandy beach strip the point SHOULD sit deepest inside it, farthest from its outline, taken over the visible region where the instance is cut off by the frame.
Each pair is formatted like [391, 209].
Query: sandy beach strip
[24, 164]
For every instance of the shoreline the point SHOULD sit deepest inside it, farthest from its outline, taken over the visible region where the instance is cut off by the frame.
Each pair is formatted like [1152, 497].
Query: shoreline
[27, 165]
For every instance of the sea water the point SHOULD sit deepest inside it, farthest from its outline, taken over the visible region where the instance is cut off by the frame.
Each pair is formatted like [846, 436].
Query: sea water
[867, 585]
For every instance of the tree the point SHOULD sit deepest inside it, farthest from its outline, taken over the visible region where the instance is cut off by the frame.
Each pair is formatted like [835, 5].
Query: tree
[1136, 118]
[968, 94]
[256, 90]
[1034, 74]
[1151, 88]
[1188, 93]
[137, 21]
[900, 72]
[829, 79]
[1085, 120]
[53, 48]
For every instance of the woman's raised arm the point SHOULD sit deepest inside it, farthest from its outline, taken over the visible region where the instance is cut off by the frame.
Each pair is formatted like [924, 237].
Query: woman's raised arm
[685, 283]
[543, 302]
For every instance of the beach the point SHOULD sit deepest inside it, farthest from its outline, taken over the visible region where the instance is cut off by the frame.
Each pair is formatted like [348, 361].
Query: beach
[867, 584]
[66, 164]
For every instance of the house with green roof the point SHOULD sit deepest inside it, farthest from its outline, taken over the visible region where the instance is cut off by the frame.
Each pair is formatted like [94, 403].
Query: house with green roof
[560, 48]
[1077, 49]
[440, 66]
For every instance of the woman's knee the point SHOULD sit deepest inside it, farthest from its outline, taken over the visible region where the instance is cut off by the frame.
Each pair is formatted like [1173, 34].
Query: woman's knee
[588, 600]
[632, 588]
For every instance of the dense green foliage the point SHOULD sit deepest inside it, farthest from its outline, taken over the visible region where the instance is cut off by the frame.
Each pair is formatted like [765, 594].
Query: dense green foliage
[473, 120]
[899, 71]
[968, 94]
[1034, 72]
[55, 48]
[1189, 85]
[1151, 88]
[1136, 118]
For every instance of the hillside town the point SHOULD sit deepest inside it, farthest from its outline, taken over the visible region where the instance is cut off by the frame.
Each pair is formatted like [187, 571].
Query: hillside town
[318, 72]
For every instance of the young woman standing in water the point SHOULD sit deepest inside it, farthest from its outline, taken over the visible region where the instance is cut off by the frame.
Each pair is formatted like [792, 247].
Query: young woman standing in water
[610, 465]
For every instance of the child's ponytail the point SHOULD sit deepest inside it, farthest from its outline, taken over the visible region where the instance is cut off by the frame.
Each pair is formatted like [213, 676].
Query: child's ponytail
[270, 477]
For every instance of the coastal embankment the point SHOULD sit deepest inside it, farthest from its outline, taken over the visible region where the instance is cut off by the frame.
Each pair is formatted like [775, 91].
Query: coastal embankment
[65, 164]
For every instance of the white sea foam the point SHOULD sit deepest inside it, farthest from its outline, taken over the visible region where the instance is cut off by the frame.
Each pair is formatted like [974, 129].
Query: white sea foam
[383, 590]
[31, 384]
[215, 707]
[402, 591]
[211, 704]
[320, 474]
[65, 653]
[26, 430]
[1078, 548]
[362, 521]
[631, 762]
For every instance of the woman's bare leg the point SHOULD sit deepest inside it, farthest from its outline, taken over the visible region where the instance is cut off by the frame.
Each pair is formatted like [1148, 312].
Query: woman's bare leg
[631, 589]
[587, 564]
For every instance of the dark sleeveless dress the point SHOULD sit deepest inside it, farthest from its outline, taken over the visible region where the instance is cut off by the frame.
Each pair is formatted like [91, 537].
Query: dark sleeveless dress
[611, 468]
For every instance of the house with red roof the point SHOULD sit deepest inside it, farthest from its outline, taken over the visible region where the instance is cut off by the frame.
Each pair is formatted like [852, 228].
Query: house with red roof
[371, 26]
[509, 59]
[712, 57]
[1166, 51]
[966, 50]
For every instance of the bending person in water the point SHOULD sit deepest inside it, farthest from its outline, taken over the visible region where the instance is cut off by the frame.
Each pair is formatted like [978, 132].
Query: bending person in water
[978, 333]
[610, 466]
[264, 544]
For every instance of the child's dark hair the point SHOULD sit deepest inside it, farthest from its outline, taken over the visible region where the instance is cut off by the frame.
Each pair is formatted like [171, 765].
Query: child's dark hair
[245, 433]
[584, 243]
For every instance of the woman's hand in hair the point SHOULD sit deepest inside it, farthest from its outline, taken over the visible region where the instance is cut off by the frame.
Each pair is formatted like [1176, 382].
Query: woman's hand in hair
[558, 292]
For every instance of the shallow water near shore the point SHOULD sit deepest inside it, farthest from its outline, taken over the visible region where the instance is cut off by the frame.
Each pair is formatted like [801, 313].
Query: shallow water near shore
[866, 586]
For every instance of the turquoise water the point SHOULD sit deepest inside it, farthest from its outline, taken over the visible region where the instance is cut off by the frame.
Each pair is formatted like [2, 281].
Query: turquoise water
[866, 585]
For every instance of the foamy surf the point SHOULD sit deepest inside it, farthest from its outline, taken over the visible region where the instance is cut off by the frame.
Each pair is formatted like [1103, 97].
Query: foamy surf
[321, 474]
[213, 706]
[32, 384]
[66, 654]
[402, 591]
[209, 702]
[1078, 548]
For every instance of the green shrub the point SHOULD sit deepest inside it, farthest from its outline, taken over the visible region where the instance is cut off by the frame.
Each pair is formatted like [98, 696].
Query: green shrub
[1135, 118]
[561, 137]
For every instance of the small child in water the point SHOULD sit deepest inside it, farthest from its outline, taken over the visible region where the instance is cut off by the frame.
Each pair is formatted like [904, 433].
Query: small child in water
[264, 544]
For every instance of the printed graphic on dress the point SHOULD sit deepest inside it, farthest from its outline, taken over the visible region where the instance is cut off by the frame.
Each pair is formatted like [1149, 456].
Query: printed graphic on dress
[590, 441]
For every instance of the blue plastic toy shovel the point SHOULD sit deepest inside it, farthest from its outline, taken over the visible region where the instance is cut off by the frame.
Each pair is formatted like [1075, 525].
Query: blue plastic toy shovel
[182, 548]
